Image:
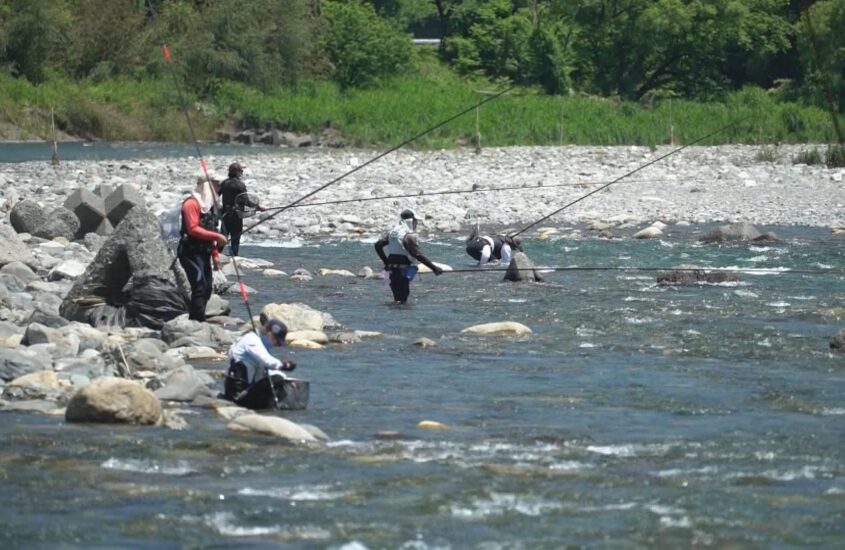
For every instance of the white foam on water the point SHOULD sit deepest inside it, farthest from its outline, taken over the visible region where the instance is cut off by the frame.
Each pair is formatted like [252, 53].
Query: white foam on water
[179, 468]
[224, 523]
[683, 472]
[745, 293]
[300, 493]
[803, 298]
[638, 320]
[806, 472]
[517, 300]
[692, 332]
[353, 545]
[293, 243]
[637, 299]
[835, 491]
[765, 343]
[499, 504]
[837, 411]
[823, 266]
[761, 248]
[570, 248]
[682, 522]
[570, 466]
[586, 345]
[622, 506]
[632, 449]
[780, 304]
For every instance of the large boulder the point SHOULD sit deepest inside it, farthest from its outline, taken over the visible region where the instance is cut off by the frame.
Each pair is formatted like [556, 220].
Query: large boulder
[114, 400]
[27, 216]
[13, 249]
[736, 232]
[683, 277]
[521, 268]
[88, 208]
[59, 222]
[185, 384]
[159, 289]
[186, 332]
[299, 316]
[17, 362]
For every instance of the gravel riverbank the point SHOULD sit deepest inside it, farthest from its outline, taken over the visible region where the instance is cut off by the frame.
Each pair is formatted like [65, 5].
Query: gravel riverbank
[696, 185]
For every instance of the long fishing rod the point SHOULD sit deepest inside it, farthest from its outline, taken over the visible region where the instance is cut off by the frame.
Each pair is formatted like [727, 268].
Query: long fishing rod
[750, 270]
[377, 157]
[634, 171]
[458, 192]
[204, 166]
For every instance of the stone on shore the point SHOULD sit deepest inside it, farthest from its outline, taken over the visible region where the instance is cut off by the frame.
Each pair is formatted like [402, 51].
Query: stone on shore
[299, 316]
[522, 268]
[159, 288]
[27, 216]
[115, 401]
[59, 223]
[500, 328]
[270, 425]
[736, 232]
[14, 249]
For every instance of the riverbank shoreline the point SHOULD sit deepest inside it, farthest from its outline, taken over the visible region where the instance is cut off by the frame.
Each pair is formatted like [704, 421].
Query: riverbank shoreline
[698, 185]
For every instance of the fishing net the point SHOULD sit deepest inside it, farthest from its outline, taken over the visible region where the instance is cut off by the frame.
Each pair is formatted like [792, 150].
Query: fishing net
[247, 204]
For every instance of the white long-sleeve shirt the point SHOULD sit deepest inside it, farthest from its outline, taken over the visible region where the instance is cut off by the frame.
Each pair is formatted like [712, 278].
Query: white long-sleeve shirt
[250, 350]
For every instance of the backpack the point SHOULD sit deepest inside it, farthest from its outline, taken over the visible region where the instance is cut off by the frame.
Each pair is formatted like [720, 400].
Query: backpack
[171, 223]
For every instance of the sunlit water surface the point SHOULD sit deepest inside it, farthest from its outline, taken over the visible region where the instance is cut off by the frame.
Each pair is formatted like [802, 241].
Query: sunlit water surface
[635, 415]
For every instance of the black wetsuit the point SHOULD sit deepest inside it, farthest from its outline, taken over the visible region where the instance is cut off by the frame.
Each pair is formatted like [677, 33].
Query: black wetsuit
[476, 245]
[195, 257]
[397, 265]
[233, 223]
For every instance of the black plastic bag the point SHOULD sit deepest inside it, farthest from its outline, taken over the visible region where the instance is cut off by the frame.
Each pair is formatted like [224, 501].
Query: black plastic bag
[153, 303]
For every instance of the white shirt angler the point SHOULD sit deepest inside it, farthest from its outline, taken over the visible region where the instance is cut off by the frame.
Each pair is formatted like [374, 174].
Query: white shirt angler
[250, 350]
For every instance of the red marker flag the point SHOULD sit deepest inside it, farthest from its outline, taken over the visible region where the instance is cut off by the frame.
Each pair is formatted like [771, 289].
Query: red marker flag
[166, 54]
[243, 292]
[204, 167]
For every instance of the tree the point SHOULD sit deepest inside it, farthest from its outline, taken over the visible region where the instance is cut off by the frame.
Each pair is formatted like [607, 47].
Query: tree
[37, 36]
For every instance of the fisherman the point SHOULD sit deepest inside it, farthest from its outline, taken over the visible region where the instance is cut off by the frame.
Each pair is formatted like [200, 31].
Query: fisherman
[200, 243]
[404, 255]
[235, 200]
[491, 249]
[251, 368]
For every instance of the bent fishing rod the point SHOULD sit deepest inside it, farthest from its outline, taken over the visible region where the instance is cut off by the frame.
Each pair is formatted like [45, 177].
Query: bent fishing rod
[378, 157]
[634, 171]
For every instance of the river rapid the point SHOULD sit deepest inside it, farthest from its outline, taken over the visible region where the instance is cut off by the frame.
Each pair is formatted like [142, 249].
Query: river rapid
[635, 415]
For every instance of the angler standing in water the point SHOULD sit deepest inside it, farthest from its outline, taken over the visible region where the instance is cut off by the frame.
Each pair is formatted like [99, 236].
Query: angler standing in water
[200, 243]
[404, 254]
[491, 249]
[235, 199]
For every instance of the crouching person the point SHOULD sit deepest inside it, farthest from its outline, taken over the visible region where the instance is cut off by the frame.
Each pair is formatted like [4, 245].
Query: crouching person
[252, 368]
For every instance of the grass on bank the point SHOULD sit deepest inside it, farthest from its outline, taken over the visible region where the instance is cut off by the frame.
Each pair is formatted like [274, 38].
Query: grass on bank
[149, 110]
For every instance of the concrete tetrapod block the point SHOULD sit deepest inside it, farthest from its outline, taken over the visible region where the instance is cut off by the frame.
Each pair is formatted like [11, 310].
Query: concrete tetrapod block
[120, 201]
[105, 228]
[103, 190]
[88, 207]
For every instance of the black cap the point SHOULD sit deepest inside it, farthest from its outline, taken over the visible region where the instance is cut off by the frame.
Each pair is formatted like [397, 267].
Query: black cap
[235, 169]
[407, 214]
[277, 329]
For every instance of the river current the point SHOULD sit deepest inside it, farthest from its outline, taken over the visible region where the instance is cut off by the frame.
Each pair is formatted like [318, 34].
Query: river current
[635, 415]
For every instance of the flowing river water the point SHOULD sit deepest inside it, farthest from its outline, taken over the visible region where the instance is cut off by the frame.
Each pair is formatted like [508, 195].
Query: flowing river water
[635, 415]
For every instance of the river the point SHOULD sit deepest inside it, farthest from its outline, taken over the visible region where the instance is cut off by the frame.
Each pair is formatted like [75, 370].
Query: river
[633, 416]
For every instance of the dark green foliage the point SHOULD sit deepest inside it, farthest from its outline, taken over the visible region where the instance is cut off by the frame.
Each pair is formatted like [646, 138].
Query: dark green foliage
[361, 46]
[835, 156]
[808, 156]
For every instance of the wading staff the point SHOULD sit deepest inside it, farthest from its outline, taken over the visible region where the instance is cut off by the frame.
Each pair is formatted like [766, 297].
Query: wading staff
[634, 171]
[377, 157]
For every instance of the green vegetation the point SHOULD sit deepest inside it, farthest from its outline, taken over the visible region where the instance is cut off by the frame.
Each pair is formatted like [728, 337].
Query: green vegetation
[645, 72]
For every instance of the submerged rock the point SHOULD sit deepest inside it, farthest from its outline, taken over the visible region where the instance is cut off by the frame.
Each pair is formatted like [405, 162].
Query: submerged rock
[298, 316]
[270, 425]
[521, 268]
[116, 401]
[837, 343]
[696, 277]
[736, 232]
[504, 327]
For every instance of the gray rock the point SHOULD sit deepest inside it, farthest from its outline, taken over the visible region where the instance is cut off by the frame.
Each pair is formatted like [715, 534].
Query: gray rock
[27, 216]
[134, 251]
[121, 201]
[736, 232]
[47, 318]
[113, 400]
[837, 343]
[88, 209]
[60, 222]
[13, 249]
[9, 329]
[68, 269]
[19, 271]
[217, 306]
[521, 268]
[35, 405]
[94, 241]
[17, 362]
[185, 332]
[12, 283]
[185, 384]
